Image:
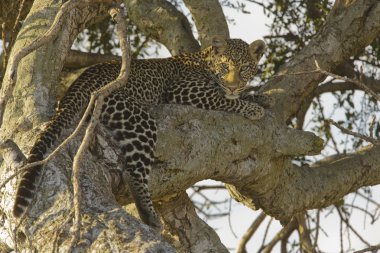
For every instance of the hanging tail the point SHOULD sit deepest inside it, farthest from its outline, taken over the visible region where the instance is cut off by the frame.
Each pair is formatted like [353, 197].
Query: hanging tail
[70, 110]
[28, 184]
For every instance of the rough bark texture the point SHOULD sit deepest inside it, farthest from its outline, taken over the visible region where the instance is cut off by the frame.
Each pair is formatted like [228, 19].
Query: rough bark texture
[194, 235]
[253, 158]
[207, 27]
[348, 29]
[105, 224]
[165, 23]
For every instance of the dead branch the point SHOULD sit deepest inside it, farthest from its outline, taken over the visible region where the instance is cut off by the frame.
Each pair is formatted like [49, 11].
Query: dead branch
[371, 126]
[18, 19]
[15, 29]
[5, 49]
[317, 228]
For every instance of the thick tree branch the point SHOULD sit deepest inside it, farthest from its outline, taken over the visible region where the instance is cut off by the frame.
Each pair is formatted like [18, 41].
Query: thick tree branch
[348, 30]
[194, 234]
[209, 20]
[10, 76]
[320, 186]
[76, 59]
[163, 22]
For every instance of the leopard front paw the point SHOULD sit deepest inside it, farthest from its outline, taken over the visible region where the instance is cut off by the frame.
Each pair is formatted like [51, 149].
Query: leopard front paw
[265, 100]
[261, 99]
[254, 112]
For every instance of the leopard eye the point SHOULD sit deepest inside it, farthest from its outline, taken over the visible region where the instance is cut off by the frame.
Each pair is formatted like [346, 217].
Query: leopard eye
[244, 68]
[224, 66]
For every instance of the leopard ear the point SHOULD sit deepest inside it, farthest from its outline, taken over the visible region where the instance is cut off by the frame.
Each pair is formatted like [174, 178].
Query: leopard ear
[257, 49]
[219, 44]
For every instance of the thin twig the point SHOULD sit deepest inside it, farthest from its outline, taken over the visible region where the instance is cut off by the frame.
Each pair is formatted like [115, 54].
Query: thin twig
[346, 221]
[358, 135]
[121, 31]
[16, 27]
[341, 236]
[241, 248]
[372, 249]
[365, 211]
[371, 126]
[17, 21]
[229, 219]
[324, 119]
[5, 49]
[368, 199]
[304, 233]
[317, 227]
[266, 232]
[356, 82]
[343, 78]
[283, 233]
[198, 188]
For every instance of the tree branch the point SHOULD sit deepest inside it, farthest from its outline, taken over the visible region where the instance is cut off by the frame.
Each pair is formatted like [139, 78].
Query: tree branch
[163, 22]
[77, 59]
[304, 233]
[11, 73]
[322, 185]
[193, 233]
[249, 233]
[345, 33]
[208, 12]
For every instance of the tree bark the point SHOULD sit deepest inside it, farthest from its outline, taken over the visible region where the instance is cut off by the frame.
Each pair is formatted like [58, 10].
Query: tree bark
[253, 158]
[165, 23]
[209, 20]
[348, 29]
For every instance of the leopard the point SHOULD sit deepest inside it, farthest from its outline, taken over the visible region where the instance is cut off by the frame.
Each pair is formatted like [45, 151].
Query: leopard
[209, 79]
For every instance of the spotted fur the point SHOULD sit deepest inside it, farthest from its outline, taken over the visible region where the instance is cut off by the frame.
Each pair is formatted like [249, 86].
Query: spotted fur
[211, 79]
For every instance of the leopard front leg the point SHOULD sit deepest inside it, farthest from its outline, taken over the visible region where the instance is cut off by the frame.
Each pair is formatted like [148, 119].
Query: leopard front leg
[261, 99]
[205, 94]
[135, 132]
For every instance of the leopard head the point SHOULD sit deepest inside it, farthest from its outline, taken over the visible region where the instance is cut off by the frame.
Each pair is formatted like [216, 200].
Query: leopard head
[235, 62]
